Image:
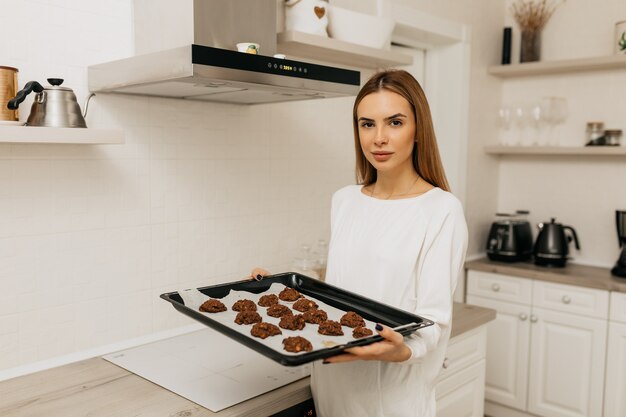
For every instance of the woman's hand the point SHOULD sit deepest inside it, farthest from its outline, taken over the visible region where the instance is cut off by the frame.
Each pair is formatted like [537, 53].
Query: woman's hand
[258, 273]
[392, 349]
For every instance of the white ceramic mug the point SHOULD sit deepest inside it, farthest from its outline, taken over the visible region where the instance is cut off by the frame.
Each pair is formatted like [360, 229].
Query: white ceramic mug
[309, 16]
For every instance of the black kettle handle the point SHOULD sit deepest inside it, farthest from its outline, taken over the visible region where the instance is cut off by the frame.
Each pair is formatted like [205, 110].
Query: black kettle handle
[570, 228]
[14, 103]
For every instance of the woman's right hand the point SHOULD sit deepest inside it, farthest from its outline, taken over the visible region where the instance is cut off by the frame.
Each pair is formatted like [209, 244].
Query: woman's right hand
[258, 273]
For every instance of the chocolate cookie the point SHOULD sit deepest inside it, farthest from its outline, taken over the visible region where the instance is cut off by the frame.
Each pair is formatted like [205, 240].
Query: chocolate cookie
[315, 316]
[351, 319]
[279, 310]
[268, 300]
[243, 305]
[297, 344]
[265, 330]
[248, 317]
[360, 331]
[304, 305]
[292, 322]
[330, 328]
[212, 306]
[289, 294]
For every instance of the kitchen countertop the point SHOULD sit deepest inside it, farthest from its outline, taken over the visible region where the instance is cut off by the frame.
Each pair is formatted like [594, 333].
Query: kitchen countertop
[571, 274]
[97, 388]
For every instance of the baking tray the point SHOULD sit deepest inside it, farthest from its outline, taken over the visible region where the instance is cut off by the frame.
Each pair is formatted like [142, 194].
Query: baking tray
[402, 321]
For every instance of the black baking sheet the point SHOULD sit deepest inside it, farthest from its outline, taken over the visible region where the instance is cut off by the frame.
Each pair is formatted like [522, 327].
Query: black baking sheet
[312, 288]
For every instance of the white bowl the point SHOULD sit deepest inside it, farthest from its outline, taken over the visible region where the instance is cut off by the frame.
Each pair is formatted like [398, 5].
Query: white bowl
[360, 28]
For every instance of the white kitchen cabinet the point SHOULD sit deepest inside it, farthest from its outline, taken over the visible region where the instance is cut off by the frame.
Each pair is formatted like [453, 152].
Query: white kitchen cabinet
[546, 349]
[463, 394]
[567, 357]
[615, 398]
[508, 341]
[460, 389]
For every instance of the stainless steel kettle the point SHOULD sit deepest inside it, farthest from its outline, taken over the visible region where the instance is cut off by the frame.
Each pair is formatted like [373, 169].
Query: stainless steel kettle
[54, 106]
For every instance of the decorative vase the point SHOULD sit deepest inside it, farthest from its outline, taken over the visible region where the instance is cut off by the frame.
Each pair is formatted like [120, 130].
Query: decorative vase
[530, 49]
[620, 37]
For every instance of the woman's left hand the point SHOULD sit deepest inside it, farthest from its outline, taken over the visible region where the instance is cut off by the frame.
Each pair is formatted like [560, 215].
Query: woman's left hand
[392, 349]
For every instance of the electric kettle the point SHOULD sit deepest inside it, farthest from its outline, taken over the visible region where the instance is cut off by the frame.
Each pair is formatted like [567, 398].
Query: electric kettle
[54, 106]
[552, 244]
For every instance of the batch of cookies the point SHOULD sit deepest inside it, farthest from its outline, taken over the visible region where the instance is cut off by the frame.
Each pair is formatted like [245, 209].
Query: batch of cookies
[308, 313]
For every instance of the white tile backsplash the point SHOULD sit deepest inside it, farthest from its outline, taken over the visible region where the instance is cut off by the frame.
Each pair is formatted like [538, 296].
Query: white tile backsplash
[200, 193]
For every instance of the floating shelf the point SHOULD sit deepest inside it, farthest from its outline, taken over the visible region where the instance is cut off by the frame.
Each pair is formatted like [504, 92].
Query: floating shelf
[558, 67]
[317, 47]
[60, 135]
[556, 150]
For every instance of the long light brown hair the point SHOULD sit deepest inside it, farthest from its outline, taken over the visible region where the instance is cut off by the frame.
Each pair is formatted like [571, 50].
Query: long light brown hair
[426, 159]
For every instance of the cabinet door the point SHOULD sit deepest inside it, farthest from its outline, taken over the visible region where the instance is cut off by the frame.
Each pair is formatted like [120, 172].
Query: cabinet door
[615, 400]
[462, 394]
[567, 356]
[508, 339]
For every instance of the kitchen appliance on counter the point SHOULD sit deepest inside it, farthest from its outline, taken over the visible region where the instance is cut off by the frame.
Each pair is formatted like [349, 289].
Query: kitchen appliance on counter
[552, 244]
[54, 106]
[190, 52]
[510, 238]
[620, 267]
[207, 368]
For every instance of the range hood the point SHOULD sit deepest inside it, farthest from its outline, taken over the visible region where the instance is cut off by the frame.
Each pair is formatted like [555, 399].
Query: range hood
[211, 74]
[204, 64]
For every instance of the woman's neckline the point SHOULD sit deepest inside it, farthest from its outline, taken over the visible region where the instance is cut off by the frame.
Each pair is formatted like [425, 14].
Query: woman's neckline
[369, 197]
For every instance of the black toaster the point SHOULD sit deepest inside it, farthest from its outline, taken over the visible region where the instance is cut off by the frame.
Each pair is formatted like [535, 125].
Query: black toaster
[510, 238]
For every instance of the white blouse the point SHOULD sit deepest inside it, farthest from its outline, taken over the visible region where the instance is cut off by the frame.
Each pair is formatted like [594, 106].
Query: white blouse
[406, 253]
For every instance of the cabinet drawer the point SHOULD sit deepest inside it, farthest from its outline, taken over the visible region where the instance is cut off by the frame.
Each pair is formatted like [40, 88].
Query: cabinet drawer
[571, 299]
[464, 350]
[618, 307]
[499, 287]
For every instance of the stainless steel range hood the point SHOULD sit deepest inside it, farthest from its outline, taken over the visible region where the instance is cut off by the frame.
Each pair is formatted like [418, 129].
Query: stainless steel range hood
[206, 67]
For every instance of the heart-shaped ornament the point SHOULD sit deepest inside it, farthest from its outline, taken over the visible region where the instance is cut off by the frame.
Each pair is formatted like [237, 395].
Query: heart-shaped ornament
[319, 11]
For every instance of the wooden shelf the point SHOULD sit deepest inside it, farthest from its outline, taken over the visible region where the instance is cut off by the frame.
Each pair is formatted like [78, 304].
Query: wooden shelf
[558, 67]
[306, 45]
[556, 150]
[59, 135]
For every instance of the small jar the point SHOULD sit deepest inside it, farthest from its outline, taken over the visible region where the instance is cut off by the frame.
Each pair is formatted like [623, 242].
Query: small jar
[613, 136]
[595, 130]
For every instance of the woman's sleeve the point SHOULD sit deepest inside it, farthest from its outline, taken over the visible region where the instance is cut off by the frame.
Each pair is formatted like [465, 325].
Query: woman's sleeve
[437, 277]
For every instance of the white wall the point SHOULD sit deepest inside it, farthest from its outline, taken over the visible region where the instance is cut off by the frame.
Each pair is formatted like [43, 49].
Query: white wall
[199, 194]
[583, 192]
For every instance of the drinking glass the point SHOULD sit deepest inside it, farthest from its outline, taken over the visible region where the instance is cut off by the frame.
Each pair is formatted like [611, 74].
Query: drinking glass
[505, 122]
[537, 120]
[521, 123]
[557, 109]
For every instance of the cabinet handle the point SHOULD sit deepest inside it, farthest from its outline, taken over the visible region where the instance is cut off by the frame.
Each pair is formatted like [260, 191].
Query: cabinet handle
[523, 316]
[446, 363]
[495, 287]
[533, 318]
[566, 299]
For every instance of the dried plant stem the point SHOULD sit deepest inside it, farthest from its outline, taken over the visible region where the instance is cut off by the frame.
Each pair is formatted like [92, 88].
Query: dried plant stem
[532, 15]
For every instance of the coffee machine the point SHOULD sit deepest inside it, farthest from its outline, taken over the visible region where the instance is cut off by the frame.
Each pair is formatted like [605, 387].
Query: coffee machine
[620, 267]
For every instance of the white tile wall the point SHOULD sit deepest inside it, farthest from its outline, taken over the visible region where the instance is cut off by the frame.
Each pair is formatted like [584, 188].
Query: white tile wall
[199, 194]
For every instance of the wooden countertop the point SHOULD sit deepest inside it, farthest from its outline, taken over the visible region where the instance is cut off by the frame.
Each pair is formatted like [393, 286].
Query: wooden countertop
[97, 388]
[572, 274]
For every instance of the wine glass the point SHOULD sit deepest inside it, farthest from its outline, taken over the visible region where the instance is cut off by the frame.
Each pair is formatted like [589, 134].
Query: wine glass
[521, 123]
[505, 121]
[557, 109]
[539, 115]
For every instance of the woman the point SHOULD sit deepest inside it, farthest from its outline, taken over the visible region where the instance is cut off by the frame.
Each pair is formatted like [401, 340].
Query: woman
[398, 237]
